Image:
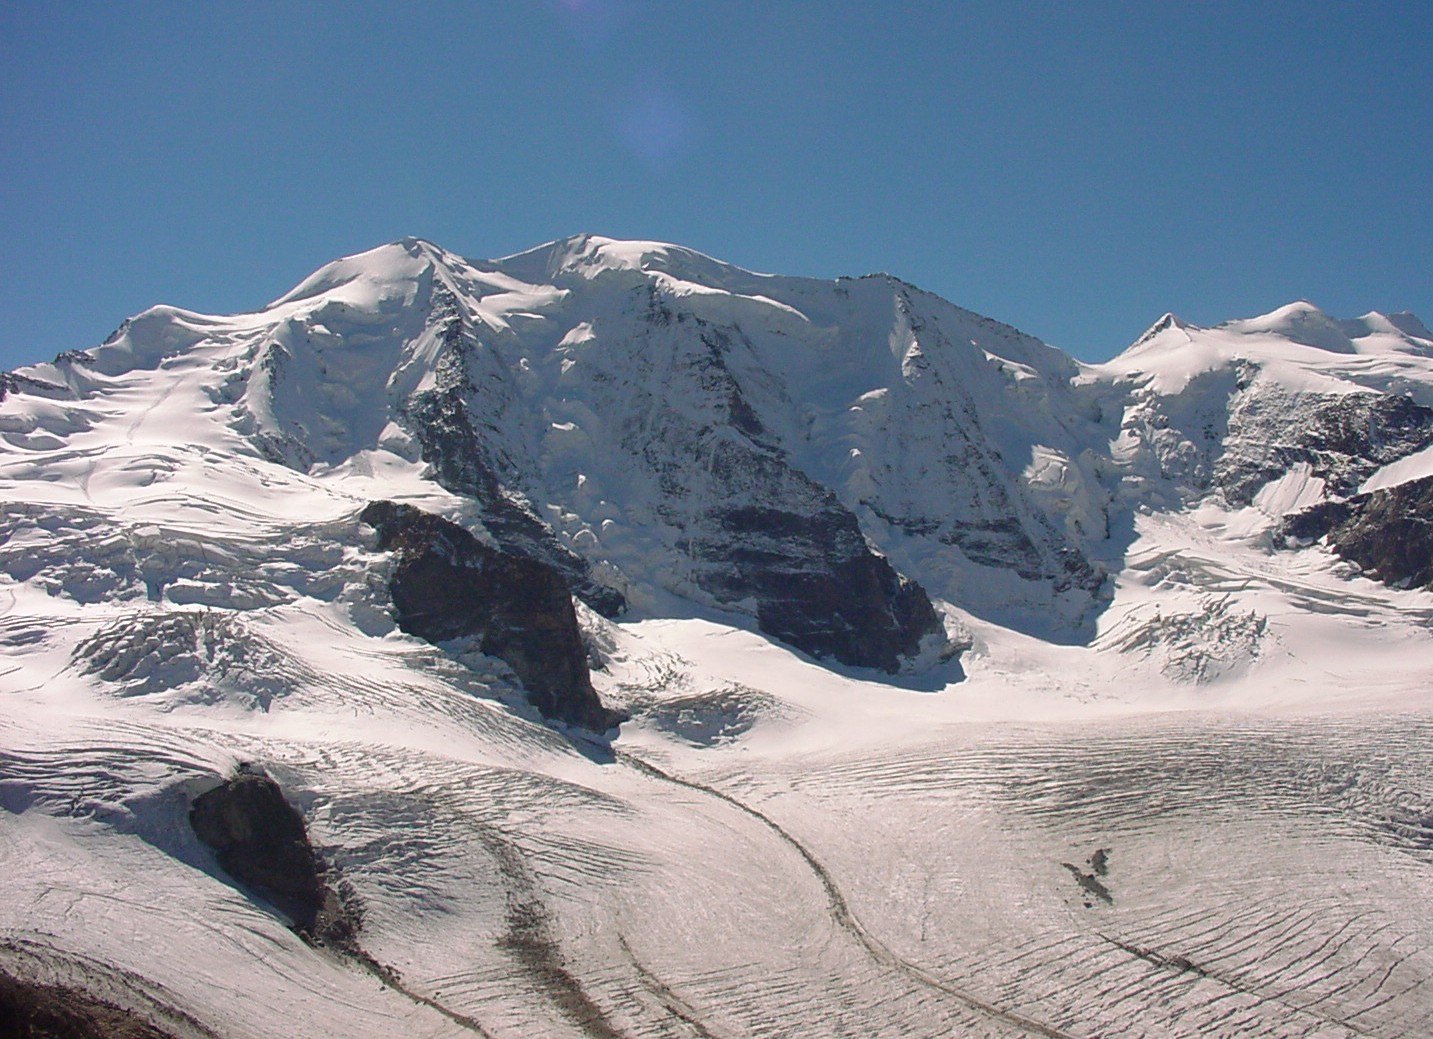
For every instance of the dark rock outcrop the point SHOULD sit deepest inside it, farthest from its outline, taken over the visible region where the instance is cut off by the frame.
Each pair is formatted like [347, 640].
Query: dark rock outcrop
[447, 585]
[1343, 438]
[29, 1010]
[260, 840]
[1388, 533]
[466, 462]
[1232, 430]
[816, 584]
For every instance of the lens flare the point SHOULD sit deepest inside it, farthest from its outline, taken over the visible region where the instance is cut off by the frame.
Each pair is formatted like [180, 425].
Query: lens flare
[655, 125]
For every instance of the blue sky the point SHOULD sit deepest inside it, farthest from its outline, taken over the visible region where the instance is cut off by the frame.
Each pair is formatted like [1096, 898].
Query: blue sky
[1074, 169]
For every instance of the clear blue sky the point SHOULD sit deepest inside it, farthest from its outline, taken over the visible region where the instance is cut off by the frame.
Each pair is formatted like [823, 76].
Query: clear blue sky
[1072, 168]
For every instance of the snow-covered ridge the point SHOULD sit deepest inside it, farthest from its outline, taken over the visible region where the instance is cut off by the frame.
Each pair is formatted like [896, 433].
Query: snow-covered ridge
[966, 688]
[574, 388]
[572, 362]
[1173, 350]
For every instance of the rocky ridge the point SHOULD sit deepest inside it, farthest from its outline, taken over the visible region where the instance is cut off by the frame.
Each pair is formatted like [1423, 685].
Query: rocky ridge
[447, 585]
[1290, 415]
[1388, 532]
[260, 840]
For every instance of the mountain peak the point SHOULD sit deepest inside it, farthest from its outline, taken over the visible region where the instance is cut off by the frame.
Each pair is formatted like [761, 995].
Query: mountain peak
[1402, 329]
[1299, 322]
[1168, 322]
[402, 261]
[586, 256]
[1408, 323]
[1303, 323]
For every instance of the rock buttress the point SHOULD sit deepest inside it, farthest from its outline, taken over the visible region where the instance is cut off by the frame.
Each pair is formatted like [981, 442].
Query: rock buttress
[447, 584]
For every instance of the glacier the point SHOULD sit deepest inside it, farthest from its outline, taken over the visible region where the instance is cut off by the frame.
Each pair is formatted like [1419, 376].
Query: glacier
[948, 685]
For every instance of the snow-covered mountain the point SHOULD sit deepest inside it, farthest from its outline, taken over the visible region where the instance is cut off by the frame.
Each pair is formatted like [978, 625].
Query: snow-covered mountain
[625, 643]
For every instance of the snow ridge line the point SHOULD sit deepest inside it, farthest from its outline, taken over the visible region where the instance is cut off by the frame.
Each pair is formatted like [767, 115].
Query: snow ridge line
[841, 911]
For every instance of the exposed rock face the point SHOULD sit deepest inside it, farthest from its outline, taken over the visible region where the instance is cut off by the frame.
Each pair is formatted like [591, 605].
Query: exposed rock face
[816, 584]
[465, 462]
[1233, 429]
[1343, 438]
[448, 585]
[33, 1011]
[738, 523]
[1388, 532]
[260, 840]
[754, 529]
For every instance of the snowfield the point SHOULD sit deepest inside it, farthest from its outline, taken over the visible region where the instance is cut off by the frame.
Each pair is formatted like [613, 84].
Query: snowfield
[1192, 797]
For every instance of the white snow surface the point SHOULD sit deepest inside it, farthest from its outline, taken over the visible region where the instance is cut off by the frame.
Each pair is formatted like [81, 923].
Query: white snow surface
[1212, 817]
[1298, 344]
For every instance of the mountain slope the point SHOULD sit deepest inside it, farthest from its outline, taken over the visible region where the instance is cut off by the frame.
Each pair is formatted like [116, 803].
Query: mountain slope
[638, 429]
[731, 655]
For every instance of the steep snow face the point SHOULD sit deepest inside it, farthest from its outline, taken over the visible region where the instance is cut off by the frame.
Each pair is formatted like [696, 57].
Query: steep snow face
[1122, 828]
[653, 421]
[1242, 409]
[898, 404]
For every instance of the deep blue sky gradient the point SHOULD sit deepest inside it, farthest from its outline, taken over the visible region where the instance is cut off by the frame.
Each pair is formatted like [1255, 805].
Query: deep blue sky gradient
[1074, 169]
